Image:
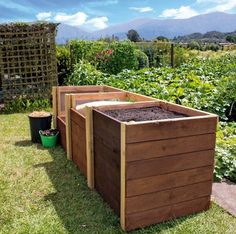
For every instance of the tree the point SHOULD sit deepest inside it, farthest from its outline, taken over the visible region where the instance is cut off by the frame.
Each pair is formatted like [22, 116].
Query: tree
[162, 38]
[231, 39]
[133, 35]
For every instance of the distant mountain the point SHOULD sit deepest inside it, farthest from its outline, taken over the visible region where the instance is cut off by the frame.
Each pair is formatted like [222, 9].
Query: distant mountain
[213, 36]
[151, 28]
[66, 32]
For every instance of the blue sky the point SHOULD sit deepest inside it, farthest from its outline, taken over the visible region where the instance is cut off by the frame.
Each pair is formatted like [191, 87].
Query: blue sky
[99, 14]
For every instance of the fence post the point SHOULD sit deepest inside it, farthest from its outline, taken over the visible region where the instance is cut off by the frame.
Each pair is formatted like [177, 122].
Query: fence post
[172, 55]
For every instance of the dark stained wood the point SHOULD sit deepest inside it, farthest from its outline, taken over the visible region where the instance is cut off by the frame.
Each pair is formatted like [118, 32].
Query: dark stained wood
[105, 126]
[168, 181]
[107, 160]
[170, 129]
[78, 142]
[164, 198]
[173, 163]
[61, 126]
[142, 219]
[161, 148]
[77, 118]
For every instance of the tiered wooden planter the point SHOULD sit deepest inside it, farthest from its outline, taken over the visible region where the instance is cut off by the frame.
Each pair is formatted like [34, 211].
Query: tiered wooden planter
[149, 171]
[153, 171]
[59, 103]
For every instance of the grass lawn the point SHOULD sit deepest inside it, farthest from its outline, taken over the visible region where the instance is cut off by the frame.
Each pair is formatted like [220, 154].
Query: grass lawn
[42, 192]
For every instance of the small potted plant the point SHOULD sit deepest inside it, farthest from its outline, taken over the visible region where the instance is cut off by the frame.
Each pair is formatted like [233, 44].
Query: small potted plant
[49, 137]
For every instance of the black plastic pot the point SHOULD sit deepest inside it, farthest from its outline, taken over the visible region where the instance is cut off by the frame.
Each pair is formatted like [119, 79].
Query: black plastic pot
[39, 123]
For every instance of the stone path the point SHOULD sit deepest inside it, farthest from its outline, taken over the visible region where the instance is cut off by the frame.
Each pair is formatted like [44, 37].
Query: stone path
[224, 194]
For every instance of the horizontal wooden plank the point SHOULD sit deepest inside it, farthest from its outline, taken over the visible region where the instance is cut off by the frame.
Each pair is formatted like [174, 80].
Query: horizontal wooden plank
[173, 163]
[110, 153]
[105, 126]
[77, 118]
[138, 97]
[161, 148]
[99, 96]
[168, 181]
[108, 168]
[168, 197]
[170, 129]
[146, 218]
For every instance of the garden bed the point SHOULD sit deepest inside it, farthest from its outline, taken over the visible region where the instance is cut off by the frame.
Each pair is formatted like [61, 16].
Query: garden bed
[150, 171]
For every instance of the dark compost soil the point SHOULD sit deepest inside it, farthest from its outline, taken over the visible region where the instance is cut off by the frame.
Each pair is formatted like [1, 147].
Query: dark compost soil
[143, 114]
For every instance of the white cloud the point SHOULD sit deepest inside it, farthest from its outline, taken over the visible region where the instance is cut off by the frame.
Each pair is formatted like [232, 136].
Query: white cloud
[141, 9]
[223, 6]
[97, 23]
[44, 15]
[76, 19]
[183, 12]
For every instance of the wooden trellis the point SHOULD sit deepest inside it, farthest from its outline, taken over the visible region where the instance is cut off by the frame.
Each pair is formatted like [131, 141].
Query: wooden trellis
[28, 64]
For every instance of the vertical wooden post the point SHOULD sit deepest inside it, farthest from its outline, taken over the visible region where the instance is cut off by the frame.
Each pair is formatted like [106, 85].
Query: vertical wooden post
[54, 106]
[89, 146]
[68, 106]
[172, 55]
[123, 176]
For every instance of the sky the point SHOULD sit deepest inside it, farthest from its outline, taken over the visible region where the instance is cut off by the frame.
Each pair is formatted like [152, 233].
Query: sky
[99, 14]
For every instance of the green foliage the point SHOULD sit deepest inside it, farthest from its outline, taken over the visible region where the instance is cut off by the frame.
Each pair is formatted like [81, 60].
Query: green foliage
[84, 74]
[231, 38]
[26, 105]
[111, 57]
[206, 84]
[142, 59]
[63, 63]
[225, 165]
[133, 35]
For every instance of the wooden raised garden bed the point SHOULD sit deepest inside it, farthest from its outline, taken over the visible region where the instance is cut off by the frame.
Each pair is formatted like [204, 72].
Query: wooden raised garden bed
[152, 169]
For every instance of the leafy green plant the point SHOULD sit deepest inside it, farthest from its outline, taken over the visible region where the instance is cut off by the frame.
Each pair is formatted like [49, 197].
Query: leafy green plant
[225, 166]
[63, 63]
[26, 105]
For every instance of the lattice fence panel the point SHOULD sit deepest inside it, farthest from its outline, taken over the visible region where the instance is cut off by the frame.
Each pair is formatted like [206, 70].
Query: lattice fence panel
[28, 64]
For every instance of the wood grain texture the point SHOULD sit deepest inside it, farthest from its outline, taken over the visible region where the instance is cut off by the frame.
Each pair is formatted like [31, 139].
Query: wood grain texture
[167, 181]
[123, 200]
[79, 147]
[142, 219]
[173, 163]
[170, 129]
[61, 126]
[68, 126]
[107, 160]
[164, 198]
[161, 148]
[89, 147]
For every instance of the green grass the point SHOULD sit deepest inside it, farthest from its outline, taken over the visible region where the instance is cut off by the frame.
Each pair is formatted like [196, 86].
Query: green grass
[42, 192]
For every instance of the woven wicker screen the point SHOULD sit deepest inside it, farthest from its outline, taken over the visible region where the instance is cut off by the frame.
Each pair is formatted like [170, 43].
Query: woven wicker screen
[28, 64]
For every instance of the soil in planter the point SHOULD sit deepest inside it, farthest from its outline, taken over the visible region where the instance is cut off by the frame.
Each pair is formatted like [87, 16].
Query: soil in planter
[143, 114]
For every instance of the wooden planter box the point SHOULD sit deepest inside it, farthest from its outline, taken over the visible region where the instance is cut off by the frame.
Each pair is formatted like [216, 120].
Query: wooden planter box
[78, 123]
[152, 171]
[59, 103]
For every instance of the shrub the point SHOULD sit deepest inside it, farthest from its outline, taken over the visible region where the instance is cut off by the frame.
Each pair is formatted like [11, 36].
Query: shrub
[83, 74]
[63, 63]
[142, 59]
